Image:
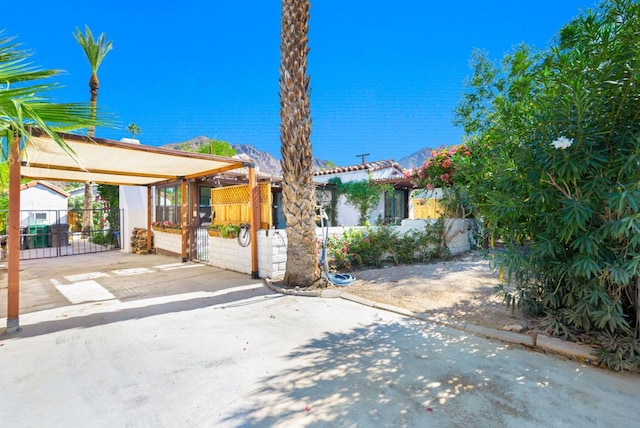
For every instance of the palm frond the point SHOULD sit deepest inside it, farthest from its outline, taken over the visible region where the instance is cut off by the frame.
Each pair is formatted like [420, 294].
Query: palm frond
[95, 50]
[24, 105]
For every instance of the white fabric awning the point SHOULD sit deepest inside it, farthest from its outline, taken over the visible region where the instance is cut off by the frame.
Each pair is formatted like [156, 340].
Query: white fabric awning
[112, 162]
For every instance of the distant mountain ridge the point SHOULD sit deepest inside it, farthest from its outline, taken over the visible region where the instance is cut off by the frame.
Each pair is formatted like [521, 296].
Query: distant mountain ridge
[415, 159]
[268, 164]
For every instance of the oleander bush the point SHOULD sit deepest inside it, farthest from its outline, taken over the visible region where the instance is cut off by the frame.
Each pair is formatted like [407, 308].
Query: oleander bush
[555, 176]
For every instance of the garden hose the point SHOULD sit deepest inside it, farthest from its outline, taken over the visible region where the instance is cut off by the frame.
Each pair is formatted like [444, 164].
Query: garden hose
[244, 235]
[338, 279]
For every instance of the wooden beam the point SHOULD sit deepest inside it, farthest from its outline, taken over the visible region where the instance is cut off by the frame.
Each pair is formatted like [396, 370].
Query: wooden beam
[183, 192]
[13, 241]
[113, 172]
[149, 231]
[254, 208]
[194, 218]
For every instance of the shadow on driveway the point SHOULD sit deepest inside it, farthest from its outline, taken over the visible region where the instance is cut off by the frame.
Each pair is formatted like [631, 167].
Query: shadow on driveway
[413, 374]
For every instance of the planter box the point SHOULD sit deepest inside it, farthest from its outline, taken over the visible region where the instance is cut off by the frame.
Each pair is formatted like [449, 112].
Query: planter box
[167, 230]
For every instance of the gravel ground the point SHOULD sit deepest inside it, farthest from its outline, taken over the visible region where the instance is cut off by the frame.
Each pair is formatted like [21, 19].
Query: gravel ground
[460, 289]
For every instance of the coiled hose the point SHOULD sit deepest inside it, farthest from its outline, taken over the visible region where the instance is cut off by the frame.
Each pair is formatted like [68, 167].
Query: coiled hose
[338, 279]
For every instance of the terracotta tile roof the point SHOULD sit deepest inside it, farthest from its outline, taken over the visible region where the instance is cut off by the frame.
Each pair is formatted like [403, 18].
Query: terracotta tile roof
[372, 166]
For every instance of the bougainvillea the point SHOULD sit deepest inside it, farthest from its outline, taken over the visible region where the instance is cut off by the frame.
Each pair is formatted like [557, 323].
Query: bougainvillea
[440, 169]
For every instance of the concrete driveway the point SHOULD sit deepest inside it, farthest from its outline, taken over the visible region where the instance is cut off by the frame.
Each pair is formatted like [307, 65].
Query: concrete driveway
[215, 348]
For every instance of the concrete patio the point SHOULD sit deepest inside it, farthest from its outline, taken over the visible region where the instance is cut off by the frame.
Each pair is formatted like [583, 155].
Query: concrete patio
[190, 345]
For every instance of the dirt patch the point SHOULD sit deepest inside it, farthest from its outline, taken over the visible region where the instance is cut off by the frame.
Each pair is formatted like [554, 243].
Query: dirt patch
[461, 289]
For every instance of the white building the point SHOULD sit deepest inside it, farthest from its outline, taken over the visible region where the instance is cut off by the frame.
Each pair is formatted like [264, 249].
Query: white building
[42, 203]
[392, 207]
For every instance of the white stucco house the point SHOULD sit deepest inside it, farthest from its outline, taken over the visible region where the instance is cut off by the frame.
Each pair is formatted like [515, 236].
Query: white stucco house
[42, 203]
[392, 208]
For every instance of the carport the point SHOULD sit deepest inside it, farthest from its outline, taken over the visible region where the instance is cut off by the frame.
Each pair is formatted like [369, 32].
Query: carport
[108, 162]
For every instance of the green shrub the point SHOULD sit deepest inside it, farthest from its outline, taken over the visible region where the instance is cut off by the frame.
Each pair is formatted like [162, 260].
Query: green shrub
[374, 246]
[554, 175]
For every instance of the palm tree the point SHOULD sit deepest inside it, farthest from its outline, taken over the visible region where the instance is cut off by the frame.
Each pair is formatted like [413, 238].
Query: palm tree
[95, 50]
[133, 129]
[22, 105]
[298, 189]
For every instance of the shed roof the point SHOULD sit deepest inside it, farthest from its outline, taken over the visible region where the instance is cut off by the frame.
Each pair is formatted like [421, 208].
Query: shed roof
[113, 162]
[46, 184]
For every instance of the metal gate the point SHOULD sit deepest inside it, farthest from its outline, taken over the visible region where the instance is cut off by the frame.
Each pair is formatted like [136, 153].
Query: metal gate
[51, 233]
[201, 244]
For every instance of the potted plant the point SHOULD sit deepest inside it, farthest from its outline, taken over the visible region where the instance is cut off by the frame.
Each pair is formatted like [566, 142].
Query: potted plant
[214, 229]
[166, 226]
[229, 230]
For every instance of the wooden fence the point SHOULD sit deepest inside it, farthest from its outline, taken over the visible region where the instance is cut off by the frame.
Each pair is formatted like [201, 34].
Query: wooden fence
[426, 208]
[230, 204]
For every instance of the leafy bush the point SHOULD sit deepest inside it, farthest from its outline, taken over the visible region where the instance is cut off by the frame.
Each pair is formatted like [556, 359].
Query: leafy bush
[372, 247]
[101, 238]
[555, 175]
[440, 169]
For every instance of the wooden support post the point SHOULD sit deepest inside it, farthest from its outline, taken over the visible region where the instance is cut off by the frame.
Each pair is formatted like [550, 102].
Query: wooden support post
[254, 208]
[194, 218]
[183, 193]
[149, 231]
[13, 240]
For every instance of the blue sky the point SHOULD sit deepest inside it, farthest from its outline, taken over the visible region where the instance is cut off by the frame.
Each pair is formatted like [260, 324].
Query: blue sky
[385, 76]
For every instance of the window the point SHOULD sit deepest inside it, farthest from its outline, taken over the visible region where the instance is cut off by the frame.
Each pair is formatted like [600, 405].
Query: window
[169, 204]
[205, 204]
[395, 206]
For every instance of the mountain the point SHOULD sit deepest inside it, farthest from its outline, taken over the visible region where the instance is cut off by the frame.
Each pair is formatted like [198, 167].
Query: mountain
[265, 162]
[268, 164]
[415, 159]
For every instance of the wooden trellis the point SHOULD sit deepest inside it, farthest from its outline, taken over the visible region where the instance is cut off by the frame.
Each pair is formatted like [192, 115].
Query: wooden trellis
[230, 204]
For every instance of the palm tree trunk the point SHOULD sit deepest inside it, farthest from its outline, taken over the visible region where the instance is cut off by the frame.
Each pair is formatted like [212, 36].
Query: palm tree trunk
[298, 190]
[87, 213]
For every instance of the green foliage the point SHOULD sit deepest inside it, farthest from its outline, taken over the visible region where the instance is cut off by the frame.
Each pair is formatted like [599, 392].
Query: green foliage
[554, 175]
[217, 147]
[133, 129]
[23, 99]
[102, 237]
[75, 203]
[374, 246]
[94, 49]
[364, 195]
[111, 195]
[229, 230]
[440, 169]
